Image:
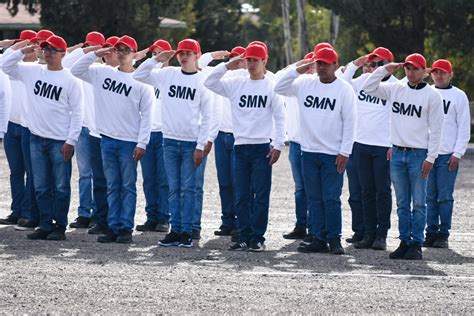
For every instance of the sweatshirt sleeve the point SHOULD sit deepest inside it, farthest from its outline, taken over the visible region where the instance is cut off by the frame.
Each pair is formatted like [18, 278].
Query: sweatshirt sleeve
[463, 119]
[11, 66]
[206, 117]
[349, 122]
[348, 73]
[216, 117]
[215, 83]
[205, 60]
[76, 106]
[286, 84]
[71, 58]
[374, 87]
[144, 73]
[146, 111]
[435, 123]
[82, 67]
[278, 113]
[5, 103]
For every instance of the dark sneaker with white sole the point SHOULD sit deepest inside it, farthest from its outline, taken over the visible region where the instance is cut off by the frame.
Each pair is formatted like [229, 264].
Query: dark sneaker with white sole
[239, 246]
[316, 246]
[26, 225]
[98, 229]
[80, 222]
[196, 234]
[163, 226]
[38, 234]
[256, 246]
[307, 240]
[148, 226]
[171, 239]
[299, 232]
[186, 241]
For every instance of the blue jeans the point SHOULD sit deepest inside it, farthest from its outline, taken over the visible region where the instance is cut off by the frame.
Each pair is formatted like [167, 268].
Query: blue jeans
[101, 210]
[52, 181]
[440, 196]
[155, 182]
[253, 180]
[83, 158]
[181, 174]
[355, 196]
[120, 170]
[223, 151]
[301, 207]
[374, 177]
[17, 151]
[323, 185]
[410, 190]
[200, 170]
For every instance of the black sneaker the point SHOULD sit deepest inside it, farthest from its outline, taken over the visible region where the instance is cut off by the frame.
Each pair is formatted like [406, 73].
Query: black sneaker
[9, 220]
[365, 243]
[223, 231]
[107, 238]
[98, 229]
[124, 237]
[316, 246]
[335, 247]
[235, 238]
[414, 253]
[239, 246]
[80, 222]
[186, 240]
[163, 226]
[26, 225]
[380, 243]
[148, 226]
[171, 239]
[196, 234]
[299, 232]
[256, 246]
[355, 238]
[430, 239]
[441, 242]
[307, 240]
[58, 233]
[400, 252]
[38, 234]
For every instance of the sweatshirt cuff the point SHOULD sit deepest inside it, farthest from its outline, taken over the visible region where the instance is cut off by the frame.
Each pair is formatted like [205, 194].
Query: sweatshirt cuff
[278, 146]
[71, 142]
[344, 154]
[457, 155]
[142, 146]
[200, 146]
[1, 135]
[430, 159]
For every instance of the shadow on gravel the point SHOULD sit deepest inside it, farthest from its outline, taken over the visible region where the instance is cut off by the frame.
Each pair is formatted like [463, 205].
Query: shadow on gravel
[81, 247]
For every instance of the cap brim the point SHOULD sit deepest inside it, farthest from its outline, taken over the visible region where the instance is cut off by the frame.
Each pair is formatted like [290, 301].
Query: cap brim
[439, 68]
[123, 43]
[413, 64]
[324, 60]
[254, 57]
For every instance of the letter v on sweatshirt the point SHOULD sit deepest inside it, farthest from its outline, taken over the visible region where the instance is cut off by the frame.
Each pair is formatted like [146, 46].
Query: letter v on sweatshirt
[123, 106]
[55, 101]
[186, 105]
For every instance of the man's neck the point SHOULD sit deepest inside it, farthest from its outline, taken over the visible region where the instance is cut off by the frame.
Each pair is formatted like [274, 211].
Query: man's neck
[55, 67]
[189, 68]
[126, 67]
[328, 80]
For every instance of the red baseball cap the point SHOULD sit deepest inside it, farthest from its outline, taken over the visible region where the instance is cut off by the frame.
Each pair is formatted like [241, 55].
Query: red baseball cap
[443, 65]
[164, 45]
[322, 45]
[416, 60]
[261, 44]
[128, 41]
[42, 35]
[110, 41]
[94, 39]
[26, 35]
[189, 45]
[382, 53]
[308, 55]
[56, 42]
[255, 51]
[326, 55]
[236, 51]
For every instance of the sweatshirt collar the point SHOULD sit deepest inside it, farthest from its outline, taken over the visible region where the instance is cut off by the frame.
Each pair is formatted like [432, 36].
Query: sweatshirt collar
[188, 73]
[446, 88]
[419, 86]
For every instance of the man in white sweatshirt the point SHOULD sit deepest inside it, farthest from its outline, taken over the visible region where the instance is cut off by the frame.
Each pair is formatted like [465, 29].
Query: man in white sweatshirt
[327, 126]
[123, 110]
[454, 140]
[55, 114]
[369, 154]
[155, 182]
[186, 114]
[25, 212]
[255, 108]
[416, 126]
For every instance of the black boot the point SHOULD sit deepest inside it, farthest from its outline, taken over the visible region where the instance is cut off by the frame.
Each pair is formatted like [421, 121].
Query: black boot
[441, 242]
[299, 232]
[335, 247]
[430, 239]
[414, 252]
[400, 252]
[365, 243]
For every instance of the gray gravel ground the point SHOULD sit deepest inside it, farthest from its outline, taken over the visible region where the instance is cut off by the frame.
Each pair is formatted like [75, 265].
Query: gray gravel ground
[80, 275]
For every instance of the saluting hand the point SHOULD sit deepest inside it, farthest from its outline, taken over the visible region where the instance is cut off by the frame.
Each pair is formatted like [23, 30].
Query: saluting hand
[91, 49]
[305, 67]
[101, 52]
[220, 54]
[164, 56]
[341, 162]
[6, 43]
[138, 153]
[361, 61]
[20, 45]
[141, 54]
[73, 48]
[235, 63]
[29, 49]
[425, 169]
[392, 67]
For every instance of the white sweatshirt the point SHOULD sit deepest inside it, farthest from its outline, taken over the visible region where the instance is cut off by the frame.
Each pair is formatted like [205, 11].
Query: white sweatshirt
[254, 104]
[123, 106]
[185, 103]
[457, 125]
[5, 103]
[327, 112]
[373, 113]
[55, 102]
[417, 114]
